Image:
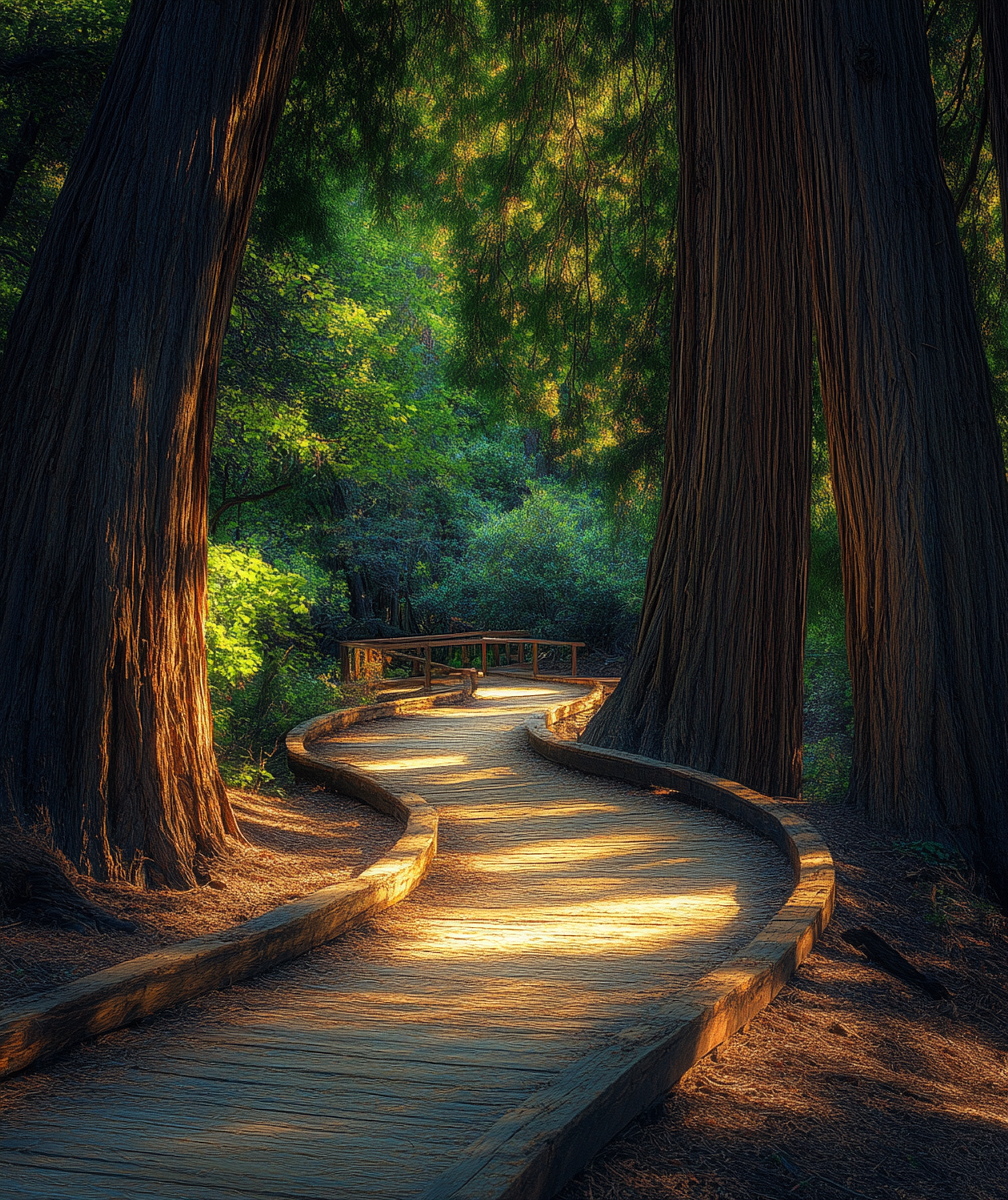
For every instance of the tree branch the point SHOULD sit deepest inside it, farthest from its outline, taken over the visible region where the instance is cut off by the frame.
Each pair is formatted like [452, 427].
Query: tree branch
[245, 498]
[974, 164]
[8, 253]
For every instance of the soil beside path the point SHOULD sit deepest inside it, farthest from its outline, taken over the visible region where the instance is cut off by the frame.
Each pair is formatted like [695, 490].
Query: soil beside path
[296, 844]
[850, 1083]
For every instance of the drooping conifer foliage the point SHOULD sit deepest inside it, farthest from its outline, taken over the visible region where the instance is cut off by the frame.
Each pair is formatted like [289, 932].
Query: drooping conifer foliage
[446, 388]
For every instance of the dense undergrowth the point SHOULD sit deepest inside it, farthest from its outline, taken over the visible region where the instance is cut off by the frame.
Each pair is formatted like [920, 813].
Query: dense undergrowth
[442, 393]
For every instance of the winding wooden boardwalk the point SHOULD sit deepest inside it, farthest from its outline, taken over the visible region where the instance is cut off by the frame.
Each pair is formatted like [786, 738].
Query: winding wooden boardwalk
[560, 909]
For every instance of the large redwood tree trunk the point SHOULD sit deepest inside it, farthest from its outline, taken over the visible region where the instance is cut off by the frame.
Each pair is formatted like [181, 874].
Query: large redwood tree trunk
[716, 677]
[106, 419]
[917, 465]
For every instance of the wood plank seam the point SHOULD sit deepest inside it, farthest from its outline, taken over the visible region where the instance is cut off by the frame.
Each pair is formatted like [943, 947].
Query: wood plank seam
[37, 1028]
[532, 1151]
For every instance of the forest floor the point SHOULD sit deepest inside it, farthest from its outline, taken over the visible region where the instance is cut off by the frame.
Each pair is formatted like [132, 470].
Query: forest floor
[296, 844]
[299, 839]
[851, 1083]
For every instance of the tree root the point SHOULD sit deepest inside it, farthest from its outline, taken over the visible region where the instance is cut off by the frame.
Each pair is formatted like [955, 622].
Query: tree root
[35, 885]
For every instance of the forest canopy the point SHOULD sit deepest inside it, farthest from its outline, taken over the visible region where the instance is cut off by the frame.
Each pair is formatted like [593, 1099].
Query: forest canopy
[442, 392]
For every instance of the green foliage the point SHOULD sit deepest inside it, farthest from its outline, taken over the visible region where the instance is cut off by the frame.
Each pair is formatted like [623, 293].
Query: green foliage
[826, 769]
[957, 68]
[549, 566]
[499, 469]
[259, 711]
[253, 608]
[340, 446]
[261, 660]
[558, 174]
[931, 852]
[328, 366]
[53, 58]
[828, 709]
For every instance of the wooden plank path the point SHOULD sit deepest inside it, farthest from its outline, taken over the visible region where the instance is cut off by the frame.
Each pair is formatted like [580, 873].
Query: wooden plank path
[561, 909]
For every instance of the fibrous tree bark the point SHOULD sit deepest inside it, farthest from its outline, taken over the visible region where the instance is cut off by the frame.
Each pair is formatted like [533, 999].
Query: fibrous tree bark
[106, 418]
[716, 677]
[918, 472]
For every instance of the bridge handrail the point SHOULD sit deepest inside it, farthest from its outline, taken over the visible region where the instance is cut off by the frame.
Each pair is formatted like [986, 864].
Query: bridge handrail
[386, 648]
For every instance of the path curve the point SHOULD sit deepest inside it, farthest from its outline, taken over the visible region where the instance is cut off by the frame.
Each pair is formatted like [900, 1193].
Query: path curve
[562, 915]
[37, 1028]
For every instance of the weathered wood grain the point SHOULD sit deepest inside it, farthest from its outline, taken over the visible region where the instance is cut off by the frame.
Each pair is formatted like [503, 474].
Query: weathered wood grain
[562, 930]
[533, 1150]
[37, 1028]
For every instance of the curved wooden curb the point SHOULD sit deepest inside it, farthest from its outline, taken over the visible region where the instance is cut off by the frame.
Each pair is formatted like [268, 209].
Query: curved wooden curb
[36, 1029]
[532, 1151]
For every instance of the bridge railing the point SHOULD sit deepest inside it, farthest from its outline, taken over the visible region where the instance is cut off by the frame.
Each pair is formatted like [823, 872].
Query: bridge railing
[358, 655]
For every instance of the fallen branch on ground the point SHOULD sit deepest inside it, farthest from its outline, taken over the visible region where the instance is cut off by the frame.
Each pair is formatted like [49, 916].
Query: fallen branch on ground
[884, 956]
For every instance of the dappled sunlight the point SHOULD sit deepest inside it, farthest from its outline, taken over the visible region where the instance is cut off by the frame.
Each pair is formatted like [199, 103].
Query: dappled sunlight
[601, 926]
[475, 776]
[475, 714]
[568, 852]
[507, 693]
[363, 737]
[416, 762]
[556, 810]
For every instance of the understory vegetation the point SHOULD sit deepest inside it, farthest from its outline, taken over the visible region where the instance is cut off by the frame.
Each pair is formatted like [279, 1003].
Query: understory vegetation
[442, 394]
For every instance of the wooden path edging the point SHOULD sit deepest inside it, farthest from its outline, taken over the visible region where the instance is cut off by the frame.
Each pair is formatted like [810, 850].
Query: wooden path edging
[532, 1151]
[39, 1027]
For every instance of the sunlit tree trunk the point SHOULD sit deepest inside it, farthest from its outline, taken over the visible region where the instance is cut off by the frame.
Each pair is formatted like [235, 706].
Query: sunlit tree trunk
[106, 419]
[716, 677]
[917, 465]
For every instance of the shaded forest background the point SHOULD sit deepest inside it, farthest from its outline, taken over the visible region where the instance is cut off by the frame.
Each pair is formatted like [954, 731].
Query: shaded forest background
[442, 394]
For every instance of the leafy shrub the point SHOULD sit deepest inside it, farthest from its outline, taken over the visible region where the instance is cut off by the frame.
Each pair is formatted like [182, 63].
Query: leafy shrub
[825, 605]
[828, 708]
[260, 651]
[550, 566]
[500, 469]
[826, 769]
[252, 607]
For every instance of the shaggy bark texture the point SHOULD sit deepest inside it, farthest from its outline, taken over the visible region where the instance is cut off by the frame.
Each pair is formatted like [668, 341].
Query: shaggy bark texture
[35, 886]
[106, 419]
[716, 677]
[917, 465]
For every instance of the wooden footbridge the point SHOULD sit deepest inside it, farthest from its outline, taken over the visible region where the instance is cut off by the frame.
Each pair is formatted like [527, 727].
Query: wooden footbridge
[437, 1050]
[514, 649]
